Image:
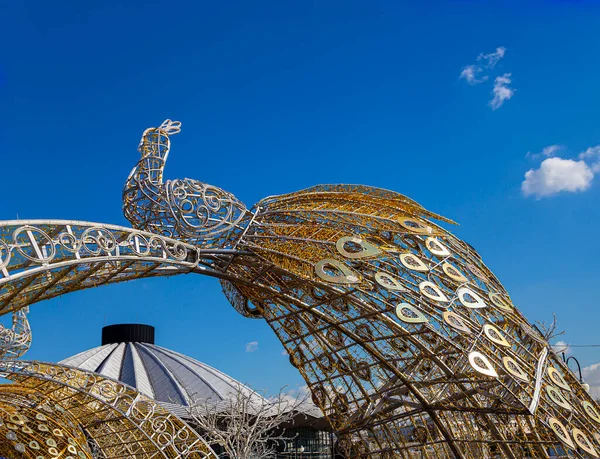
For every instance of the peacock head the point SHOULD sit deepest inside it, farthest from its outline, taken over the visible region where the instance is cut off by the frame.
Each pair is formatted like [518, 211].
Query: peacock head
[155, 142]
[187, 209]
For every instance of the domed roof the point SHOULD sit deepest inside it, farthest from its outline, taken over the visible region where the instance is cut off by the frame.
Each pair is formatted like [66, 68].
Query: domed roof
[164, 375]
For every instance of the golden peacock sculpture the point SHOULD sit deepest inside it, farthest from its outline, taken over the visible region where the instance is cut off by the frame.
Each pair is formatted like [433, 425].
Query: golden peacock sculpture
[408, 343]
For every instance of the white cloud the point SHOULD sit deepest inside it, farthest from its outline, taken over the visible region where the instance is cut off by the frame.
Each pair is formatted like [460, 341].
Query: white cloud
[492, 58]
[252, 346]
[301, 398]
[555, 175]
[501, 91]
[548, 151]
[284, 352]
[592, 155]
[470, 73]
[560, 347]
[474, 73]
[298, 392]
[591, 375]
[551, 150]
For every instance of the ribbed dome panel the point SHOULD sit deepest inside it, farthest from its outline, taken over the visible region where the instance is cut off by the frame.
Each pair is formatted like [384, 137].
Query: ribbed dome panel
[142, 379]
[127, 368]
[92, 359]
[111, 366]
[162, 374]
[164, 383]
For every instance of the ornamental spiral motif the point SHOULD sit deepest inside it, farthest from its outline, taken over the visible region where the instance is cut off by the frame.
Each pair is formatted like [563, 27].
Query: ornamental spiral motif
[185, 209]
[40, 259]
[202, 211]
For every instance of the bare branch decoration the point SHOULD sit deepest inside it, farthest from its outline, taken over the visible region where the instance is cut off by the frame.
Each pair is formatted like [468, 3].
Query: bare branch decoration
[247, 425]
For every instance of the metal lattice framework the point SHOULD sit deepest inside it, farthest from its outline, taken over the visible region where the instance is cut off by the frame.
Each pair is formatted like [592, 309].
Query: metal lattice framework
[41, 259]
[15, 341]
[89, 414]
[32, 426]
[183, 209]
[407, 341]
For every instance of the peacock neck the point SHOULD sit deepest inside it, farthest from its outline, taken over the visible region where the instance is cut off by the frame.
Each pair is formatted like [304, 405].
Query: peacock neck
[150, 171]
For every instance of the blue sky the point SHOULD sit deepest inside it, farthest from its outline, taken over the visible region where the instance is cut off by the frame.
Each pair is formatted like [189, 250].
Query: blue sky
[278, 96]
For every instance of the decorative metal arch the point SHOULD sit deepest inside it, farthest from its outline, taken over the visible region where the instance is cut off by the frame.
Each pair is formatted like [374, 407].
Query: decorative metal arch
[115, 419]
[42, 259]
[408, 342]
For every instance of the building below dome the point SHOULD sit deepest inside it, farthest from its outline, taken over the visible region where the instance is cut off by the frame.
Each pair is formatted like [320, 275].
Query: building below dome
[129, 354]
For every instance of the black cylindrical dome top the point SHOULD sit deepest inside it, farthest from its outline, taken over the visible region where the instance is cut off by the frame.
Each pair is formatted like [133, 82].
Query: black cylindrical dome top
[128, 333]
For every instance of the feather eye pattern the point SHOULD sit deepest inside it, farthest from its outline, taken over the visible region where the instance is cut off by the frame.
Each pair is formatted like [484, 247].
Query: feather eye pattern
[405, 337]
[407, 340]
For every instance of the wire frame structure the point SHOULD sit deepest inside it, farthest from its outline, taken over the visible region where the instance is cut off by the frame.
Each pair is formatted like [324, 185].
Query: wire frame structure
[41, 259]
[407, 341]
[182, 209]
[15, 341]
[59, 411]
[409, 344]
[32, 426]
